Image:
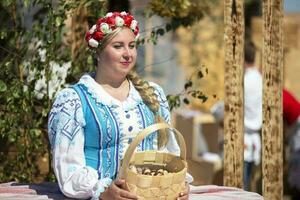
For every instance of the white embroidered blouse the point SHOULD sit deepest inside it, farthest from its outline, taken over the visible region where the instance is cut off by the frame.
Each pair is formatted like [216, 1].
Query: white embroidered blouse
[66, 133]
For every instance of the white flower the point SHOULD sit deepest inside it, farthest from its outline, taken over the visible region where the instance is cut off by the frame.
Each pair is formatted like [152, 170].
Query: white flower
[109, 14]
[39, 95]
[56, 81]
[104, 27]
[92, 30]
[25, 88]
[119, 21]
[93, 43]
[123, 13]
[133, 24]
[40, 88]
[42, 54]
[137, 37]
[109, 30]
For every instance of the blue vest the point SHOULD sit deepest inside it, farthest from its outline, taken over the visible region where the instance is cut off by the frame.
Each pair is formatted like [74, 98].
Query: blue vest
[102, 147]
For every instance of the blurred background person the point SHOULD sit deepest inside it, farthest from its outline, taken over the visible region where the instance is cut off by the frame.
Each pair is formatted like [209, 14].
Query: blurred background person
[291, 119]
[252, 113]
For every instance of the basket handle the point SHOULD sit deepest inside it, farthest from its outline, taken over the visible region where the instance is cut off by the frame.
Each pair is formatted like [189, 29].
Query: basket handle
[137, 140]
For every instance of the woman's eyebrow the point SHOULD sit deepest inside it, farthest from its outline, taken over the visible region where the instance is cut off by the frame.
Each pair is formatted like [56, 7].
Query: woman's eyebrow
[117, 42]
[120, 42]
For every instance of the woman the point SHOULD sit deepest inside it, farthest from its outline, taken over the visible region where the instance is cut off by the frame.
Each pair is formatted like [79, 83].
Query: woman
[92, 123]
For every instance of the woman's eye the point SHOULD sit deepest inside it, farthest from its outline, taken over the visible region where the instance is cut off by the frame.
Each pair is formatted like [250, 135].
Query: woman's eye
[117, 46]
[132, 46]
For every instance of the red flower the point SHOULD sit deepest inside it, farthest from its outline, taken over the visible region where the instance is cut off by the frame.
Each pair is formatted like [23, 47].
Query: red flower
[87, 36]
[98, 35]
[97, 27]
[127, 20]
[115, 14]
[101, 20]
[111, 21]
[136, 31]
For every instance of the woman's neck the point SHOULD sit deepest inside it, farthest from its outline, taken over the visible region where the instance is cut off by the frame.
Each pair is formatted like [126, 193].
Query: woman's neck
[117, 88]
[113, 81]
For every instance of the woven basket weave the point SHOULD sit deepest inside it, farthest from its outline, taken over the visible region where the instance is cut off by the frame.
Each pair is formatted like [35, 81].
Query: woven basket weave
[165, 187]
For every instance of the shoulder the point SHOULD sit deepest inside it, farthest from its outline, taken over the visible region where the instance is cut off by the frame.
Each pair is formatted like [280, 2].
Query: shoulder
[67, 106]
[160, 94]
[157, 89]
[252, 72]
[66, 115]
[66, 96]
[252, 79]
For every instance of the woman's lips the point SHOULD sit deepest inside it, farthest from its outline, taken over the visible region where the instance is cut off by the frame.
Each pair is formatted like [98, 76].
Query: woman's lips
[125, 63]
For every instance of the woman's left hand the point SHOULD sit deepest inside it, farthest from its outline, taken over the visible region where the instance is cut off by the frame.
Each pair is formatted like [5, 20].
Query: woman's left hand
[184, 195]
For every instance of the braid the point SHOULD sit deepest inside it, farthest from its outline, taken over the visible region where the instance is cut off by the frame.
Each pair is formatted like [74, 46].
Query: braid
[146, 91]
[150, 98]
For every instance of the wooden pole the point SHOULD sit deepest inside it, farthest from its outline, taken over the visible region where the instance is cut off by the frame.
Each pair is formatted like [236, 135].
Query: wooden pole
[234, 95]
[272, 150]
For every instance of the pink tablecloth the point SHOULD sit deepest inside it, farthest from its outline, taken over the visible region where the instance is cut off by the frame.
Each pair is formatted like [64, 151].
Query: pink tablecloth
[16, 191]
[214, 192]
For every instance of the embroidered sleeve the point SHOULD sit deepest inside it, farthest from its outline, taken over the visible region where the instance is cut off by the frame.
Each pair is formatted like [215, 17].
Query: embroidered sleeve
[172, 145]
[66, 135]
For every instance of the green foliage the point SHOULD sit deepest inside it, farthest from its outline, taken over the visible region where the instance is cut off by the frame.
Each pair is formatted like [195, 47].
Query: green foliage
[28, 53]
[23, 113]
[189, 92]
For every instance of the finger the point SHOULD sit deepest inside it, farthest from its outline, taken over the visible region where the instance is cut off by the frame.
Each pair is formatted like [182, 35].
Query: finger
[122, 192]
[184, 194]
[186, 190]
[115, 190]
[185, 197]
[120, 182]
[128, 195]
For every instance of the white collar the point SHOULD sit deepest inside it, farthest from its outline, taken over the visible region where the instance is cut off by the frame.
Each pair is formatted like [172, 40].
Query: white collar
[101, 96]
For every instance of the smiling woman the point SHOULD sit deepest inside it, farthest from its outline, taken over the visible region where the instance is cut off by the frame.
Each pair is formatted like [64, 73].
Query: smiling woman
[116, 60]
[92, 123]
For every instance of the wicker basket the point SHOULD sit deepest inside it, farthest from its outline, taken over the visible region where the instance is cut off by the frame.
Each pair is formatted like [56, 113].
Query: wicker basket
[165, 187]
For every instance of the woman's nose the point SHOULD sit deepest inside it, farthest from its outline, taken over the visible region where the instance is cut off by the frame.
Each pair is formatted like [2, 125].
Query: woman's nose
[126, 53]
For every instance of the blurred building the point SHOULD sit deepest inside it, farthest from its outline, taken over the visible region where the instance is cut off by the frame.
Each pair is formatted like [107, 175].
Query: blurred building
[202, 45]
[158, 62]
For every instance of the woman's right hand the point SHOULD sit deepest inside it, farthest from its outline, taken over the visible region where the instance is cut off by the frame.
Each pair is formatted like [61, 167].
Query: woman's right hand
[116, 191]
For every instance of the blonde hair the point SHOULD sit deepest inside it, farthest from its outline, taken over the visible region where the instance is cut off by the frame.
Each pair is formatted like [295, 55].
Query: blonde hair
[150, 98]
[145, 90]
[107, 38]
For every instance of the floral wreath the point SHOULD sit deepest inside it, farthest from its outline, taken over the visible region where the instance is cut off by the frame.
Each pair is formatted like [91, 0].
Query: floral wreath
[107, 24]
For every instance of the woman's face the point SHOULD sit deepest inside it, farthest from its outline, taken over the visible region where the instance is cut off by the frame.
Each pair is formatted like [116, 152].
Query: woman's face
[119, 55]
